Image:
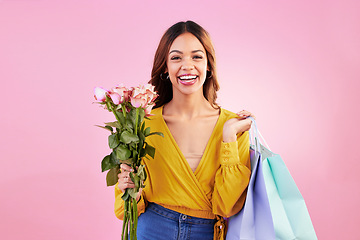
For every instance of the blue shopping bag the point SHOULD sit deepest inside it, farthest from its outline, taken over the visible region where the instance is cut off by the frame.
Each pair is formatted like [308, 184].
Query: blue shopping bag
[254, 221]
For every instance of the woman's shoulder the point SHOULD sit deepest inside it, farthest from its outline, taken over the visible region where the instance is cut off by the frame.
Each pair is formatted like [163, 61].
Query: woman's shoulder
[155, 112]
[227, 113]
[155, 116]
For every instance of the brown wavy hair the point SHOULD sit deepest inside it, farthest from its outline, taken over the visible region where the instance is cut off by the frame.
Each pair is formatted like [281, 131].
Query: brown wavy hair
[162, 85]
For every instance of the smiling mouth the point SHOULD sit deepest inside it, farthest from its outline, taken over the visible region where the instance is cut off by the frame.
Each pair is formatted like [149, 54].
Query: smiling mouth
[187, 79]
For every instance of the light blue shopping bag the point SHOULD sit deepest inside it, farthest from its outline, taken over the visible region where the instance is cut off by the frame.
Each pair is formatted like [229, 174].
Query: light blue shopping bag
[290, 214]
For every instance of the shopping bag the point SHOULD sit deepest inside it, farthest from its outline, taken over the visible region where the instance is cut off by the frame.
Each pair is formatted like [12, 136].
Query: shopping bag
[254, 221]
[271, 187]
[290, 215]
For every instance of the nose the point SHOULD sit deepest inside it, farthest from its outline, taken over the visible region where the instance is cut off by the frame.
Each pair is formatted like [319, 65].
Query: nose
[187, 64]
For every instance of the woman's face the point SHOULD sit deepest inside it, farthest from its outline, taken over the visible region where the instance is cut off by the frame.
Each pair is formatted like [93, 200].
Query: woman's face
[187, 64]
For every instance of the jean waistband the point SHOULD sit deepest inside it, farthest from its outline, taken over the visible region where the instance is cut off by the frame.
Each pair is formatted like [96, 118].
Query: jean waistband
[168, 213]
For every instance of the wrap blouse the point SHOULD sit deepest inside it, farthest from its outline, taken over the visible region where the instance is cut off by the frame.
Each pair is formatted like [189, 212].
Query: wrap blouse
[216, 188]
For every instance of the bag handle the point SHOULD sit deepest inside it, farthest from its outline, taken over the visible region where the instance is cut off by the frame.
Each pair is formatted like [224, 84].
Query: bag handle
[255, 133]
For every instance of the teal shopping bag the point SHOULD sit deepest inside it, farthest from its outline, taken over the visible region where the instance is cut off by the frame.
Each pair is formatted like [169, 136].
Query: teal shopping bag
[289, 212]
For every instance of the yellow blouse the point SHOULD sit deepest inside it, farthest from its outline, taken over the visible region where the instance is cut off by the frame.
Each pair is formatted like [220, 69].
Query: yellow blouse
[218, 185]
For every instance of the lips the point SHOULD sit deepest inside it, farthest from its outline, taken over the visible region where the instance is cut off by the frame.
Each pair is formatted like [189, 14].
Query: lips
[187, 79]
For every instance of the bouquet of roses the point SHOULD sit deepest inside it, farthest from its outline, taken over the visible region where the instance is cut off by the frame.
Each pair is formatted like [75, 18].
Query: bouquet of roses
[127, 141]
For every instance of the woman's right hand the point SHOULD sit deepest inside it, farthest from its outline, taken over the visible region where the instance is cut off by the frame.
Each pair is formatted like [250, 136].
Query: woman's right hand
[124, 177]
[125, 180]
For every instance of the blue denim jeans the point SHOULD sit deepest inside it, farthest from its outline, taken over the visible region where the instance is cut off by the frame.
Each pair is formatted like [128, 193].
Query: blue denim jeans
[159, 223]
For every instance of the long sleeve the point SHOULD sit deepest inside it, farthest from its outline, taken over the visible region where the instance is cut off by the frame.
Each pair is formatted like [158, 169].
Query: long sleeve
[119, 203]
[232, 177]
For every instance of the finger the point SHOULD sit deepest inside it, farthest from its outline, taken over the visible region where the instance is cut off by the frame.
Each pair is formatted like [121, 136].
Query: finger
[124, 186]
[126, 168]
[242, 115]
[124, 177]
[129, 185]
[122, 174]
[127, 178]
[245, 114]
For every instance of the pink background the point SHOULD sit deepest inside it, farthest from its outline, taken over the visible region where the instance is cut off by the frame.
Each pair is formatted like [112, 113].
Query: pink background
[295, 64]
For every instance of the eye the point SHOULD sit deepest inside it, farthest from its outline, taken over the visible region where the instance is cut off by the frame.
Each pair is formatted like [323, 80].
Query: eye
[175, 58]
[198, 57]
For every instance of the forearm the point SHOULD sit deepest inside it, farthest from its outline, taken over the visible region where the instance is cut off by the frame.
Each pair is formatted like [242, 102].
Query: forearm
[232, 177]
[119, 203]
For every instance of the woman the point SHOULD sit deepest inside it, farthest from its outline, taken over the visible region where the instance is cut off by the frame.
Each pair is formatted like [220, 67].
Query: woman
[201, 168]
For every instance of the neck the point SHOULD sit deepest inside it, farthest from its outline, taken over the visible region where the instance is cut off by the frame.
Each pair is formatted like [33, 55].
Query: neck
[188, 106]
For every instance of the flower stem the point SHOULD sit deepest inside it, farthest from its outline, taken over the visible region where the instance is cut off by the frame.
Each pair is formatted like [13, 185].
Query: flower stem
[113, 111]
[136, 120]
[136, 131]
[135, 216]
[123, 110]
[125, 221]
[131, 218]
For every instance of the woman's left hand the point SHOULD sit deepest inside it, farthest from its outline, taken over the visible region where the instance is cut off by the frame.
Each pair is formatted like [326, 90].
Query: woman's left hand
[234, 126]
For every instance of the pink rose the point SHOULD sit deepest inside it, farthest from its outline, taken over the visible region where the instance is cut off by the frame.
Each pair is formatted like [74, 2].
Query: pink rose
[148, 110]
[139, 100]
[100, 94]
[143, 95]
[116, 98]
[150, 92]
[123, 93]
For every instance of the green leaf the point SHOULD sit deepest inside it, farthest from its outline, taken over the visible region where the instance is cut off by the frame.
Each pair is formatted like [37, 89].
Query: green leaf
[114, 159]
[156, 133]
[141, 172]
[147, 131]
[132, 116]
[126, 195]
[142, 127]
[142, 152]
[106, 128]
[112, 176]
[121, 117]
[127, 137]
[132, 192]
[129, 126]
[106, 163]
[141, 116]
[128, 161]
[132, 146]
[113, 141]
[141, 141]
[113, 124]
[150, 150]
[122, 152]
[134, 154]
[136, 180]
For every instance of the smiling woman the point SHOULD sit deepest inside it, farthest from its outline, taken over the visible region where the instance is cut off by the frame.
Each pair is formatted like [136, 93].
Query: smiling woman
[201, 168]
[162, 59]
[187, 65]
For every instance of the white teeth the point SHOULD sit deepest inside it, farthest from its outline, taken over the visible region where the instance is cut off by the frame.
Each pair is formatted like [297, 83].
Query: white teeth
[187, 77]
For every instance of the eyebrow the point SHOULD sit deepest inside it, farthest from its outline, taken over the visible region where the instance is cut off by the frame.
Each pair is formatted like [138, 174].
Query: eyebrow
[177, 51]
